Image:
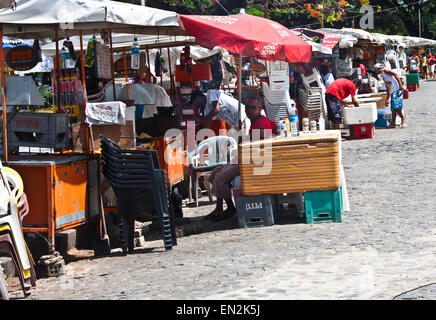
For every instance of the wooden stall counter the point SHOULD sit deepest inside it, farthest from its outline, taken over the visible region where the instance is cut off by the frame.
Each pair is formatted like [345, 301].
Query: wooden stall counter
[288, 165]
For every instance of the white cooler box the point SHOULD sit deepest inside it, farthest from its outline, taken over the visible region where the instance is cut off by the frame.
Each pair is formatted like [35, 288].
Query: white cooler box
[365, 113]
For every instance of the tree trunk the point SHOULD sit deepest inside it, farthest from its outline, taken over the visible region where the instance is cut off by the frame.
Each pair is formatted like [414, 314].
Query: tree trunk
[265, 14]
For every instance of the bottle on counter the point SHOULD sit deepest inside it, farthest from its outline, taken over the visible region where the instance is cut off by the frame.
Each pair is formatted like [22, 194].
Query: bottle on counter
[282, 125]
[288, 127]
[293, 119]
[306, 125]
[313, 126]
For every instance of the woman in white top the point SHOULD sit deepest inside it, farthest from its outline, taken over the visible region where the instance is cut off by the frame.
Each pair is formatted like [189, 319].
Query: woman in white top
[217, 104]
[394, 93]
[326, 75]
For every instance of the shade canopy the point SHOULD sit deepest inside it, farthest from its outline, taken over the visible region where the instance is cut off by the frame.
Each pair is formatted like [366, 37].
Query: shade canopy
[122, 41]
[247, 35]
[40, 18]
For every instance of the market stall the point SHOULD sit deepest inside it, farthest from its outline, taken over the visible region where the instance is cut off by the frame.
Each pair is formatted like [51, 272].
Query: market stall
[69, 176]
[258, 189]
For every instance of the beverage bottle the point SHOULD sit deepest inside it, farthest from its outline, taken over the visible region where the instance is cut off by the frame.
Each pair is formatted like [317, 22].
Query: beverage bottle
[288, 127]
[67, 85]
[135, 54]
[65, 54]
[306, 125]
[54, 85]
[293, 119]
[282, 127]
[61, 88]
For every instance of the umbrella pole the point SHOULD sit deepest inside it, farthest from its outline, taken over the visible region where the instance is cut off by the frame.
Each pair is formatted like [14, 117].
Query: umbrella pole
[125, 72]
[148, 66]
[112, 65]
[58, 76]
[5, 131]
[239, 90]
[161, 74]
[85, 98]
[171, 73]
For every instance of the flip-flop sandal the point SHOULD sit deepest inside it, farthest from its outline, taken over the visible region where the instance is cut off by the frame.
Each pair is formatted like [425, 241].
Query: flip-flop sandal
[223, 216]
[403, 125]
[210, 216]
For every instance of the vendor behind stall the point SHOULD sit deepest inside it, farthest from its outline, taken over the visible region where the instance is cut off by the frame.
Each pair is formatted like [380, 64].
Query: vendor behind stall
[335, 94]
[220, 105]
[222, 176]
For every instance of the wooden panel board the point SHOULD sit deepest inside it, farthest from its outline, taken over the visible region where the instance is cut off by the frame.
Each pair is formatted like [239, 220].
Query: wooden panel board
[122, 135]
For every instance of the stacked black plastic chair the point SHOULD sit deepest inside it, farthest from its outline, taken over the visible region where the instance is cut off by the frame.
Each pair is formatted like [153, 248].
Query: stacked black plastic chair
[137, 181]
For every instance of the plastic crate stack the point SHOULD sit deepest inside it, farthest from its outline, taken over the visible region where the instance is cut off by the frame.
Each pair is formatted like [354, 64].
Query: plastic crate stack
[275, 103]
[135, 175]
[311, 101]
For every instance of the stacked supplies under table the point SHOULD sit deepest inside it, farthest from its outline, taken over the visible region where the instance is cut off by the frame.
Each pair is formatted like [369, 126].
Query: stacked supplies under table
[308, 164]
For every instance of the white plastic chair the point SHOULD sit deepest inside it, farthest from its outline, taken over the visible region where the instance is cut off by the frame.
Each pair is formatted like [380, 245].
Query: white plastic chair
[220, 150]
[10, 218]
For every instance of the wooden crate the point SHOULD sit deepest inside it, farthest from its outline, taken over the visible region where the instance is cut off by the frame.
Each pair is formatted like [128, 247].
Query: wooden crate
[122, 135]
[305, 163]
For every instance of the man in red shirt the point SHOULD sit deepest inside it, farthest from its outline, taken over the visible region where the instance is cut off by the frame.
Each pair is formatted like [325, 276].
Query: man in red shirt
[335, 94]
[259, 122]
[222, 176]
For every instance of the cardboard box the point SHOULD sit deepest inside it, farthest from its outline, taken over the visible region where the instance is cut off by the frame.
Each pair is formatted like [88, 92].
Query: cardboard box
[287, 165]
[122, 135]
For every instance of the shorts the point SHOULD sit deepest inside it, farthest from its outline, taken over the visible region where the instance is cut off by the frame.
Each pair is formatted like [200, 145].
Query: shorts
[334, 108]
[221, 178]
[424, 69]
[431, 68]
[397, 100]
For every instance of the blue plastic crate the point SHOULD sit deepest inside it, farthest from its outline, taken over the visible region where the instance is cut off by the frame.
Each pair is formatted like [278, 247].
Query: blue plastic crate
[255, 211]
[381, 123]
[323, 205]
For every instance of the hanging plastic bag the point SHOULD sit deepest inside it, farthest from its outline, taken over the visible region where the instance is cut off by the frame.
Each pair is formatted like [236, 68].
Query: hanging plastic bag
[89, 56]
[387, 112]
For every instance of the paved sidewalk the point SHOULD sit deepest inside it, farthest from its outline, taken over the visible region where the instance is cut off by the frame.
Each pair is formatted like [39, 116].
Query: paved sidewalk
[383, 249]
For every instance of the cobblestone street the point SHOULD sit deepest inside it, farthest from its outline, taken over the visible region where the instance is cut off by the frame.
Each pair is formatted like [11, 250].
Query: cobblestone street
[383, 249]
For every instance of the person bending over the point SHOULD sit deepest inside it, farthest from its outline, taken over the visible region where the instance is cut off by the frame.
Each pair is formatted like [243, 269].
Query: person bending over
[335, 94]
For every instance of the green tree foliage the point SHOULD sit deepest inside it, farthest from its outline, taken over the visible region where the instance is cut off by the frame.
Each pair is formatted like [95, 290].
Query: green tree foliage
[391, 16]
[404, 19]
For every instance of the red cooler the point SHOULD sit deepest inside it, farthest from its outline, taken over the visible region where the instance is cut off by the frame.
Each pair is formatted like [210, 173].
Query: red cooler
[363, 131]
[411, 86]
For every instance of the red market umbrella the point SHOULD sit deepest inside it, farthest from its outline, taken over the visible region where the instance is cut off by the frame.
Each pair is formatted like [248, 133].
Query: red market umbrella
[248, 35]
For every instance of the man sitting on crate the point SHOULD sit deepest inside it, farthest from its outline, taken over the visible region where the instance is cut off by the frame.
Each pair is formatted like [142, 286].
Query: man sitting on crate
[222, 176]
[335, 94]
